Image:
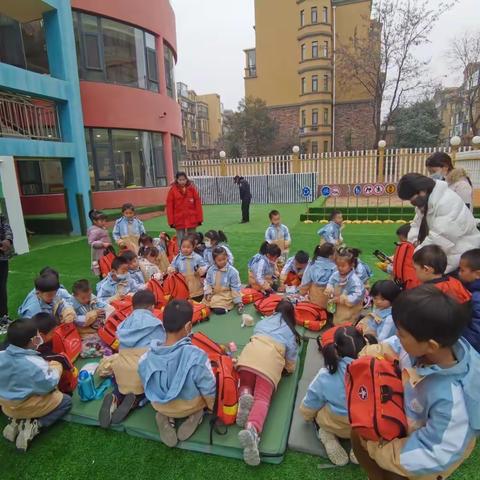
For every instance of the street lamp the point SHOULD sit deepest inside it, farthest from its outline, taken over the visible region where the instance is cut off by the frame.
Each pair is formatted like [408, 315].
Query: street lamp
[476, 142]
[222, 154]
[382, 144]
[296, 149]
[455, 141]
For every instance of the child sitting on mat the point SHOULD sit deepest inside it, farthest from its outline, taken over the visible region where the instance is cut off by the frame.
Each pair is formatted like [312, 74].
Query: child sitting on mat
[127, 229]
[332, 231]
[318, 274]
[192, 266]
[278, 234]
[29, 397]
[222, 284]
[325, 402]
[177, 376]
[273, 348]
[117, 284]
[147, 242]
[134, 334]
[292, 272]
[344, 288]
[148, 264]
[62, 292]
[212, 240]
[262, 268]
[134, 270]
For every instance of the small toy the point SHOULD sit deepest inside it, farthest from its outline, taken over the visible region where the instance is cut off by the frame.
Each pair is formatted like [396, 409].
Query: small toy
[247, 320]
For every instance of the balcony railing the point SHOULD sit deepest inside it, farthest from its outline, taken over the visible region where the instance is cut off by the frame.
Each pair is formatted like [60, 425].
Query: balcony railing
[251, 72]
[26, 117]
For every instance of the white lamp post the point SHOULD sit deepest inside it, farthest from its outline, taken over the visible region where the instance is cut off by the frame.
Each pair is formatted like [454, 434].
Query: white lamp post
[455, 141]
[382, 144]
[296, 149]
[222, 155]
[476, 142]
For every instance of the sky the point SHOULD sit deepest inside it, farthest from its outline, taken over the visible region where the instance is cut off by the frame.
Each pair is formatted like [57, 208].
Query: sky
[212, 35]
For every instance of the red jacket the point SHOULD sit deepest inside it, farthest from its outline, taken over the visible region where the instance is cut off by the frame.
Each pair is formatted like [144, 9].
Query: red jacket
[403, 269]
[184, 207]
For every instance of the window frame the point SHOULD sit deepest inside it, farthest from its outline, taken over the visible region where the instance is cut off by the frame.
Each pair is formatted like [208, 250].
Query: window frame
[314, 15]
[315, 117]
[326, 116]
[314, 147]
[304, 85]
[326, 46]
[315, 83]
[325, 14]
[303, 52]
[315, 49]
[303, 118]
[325, 146]
[326, 82]
[302, 18]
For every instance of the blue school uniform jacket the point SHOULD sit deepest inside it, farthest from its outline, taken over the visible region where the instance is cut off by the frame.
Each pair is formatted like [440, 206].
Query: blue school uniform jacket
[33, 304]
[319, 272]
[363, 271]
[81, 309]
[443, 411]
[260, 267]
[380, 323]
[178, 379]
[180, 262]
[472, 332]
[229, 279]
[108, 287]
[208, 254]
[139, 329]
[331, 232]
[290, 266]
[126, 228]
[137, 279]
[350, 287]
[275, 233]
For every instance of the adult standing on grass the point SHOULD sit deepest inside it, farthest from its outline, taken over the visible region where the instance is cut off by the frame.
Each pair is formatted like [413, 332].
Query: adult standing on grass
[441, 217]
[184, 207]
[245, 197]
[6, 247]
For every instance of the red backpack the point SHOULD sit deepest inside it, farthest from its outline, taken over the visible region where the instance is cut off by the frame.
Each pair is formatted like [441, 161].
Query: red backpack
[226, 401]
[310, 316]
[67, 340]
[158, 291]
[105, 262]
[267, 305]
[375, 399]
[69, 379]
[201, 312]
[123, 304]
[108, 333]
[175, 287]
[328, 336]
[250, 295]
[403, 269]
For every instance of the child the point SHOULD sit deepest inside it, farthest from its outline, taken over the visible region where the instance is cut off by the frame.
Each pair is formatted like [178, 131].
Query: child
[191, 266]
[97, 235]
[44, 298]
[440, 394]
[332, 231]
[215, 239]
[148, 263]
[62, 292]
[127, 230]
[278, 234]
[117, 283]
[469, 274]
[430, 264]
[293, 270]
[146, 241]
[273, 348]
[29, 397]
[379, 322]
[199, 245]
[345, 288]
[222, 284]
[136, 274]
[262, 268]
[363, 271]
[325, 402]
[135, 334]
[177, 376]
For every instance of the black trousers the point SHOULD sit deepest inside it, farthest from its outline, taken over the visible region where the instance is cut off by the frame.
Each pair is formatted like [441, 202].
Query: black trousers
[245, 210]
[3, 287]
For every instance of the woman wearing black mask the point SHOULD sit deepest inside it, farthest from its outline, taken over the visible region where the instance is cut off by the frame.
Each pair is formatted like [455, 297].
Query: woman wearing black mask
[441, 217]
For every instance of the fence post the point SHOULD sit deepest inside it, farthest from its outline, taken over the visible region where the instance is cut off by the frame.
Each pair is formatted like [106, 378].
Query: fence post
[296, 159]
[455, 144]
[381, 161]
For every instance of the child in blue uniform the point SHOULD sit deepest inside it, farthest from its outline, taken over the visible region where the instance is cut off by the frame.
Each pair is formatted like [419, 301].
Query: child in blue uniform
[117, 283]
[292, 273]
[262, 268]
[212, 240]
[278, 234]
[128, 229]
[332, 231]
[134, 270]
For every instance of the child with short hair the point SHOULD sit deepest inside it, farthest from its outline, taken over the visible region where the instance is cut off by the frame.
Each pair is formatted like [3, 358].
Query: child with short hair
[136, 274]
[148, 264]
[272, 348]
[344, 287]
[62, 292]
[430, 264]
[262, 268]
[332, 231]
[192, 266]
[128, 228]
[44, 298]
[379, 322]
[214, 239]
[439, 371]
[469, 274]
[97, 235]
[278, 234]
[177, 376]
[222, 284]
[318, 273]
[29, 397]
[147, 242]
[293, 271]
[325, 402]
[117, 283]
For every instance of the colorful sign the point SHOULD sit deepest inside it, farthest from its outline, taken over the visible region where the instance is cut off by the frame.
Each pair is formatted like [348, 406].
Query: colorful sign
[357, 190]
[391, 189]
[306, 192]
[368, 190]
[379, 189]
[336, 191]
[326, 191]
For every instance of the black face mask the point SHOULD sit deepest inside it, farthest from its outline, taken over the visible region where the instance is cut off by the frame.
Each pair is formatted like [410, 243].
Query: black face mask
[420, 201]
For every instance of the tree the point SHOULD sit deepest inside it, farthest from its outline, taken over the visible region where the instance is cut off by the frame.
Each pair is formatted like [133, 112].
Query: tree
[465, 55]
[383, 61]
[418, 125]
[250, 130]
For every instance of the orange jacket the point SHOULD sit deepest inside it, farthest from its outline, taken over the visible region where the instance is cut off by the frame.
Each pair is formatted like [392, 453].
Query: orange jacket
[453, 288]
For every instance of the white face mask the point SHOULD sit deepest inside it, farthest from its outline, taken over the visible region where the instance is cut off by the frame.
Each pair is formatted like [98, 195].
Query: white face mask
[208, 243]
[37, 341]
[122, 277]
[437, 176]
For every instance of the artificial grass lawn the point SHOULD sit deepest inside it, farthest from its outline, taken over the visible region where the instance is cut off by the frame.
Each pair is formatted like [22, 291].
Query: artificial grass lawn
[69, 451]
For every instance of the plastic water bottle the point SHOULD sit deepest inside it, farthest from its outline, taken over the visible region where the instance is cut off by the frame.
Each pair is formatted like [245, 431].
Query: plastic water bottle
[86, 386]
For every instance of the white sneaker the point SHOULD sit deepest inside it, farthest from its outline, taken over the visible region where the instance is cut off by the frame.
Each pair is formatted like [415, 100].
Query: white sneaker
[249, 441]
[10, 432]
[29, 429]
[245, 403]
[335, 452]
[353, 458]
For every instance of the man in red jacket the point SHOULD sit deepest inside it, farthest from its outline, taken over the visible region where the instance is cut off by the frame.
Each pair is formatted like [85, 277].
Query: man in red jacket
[184, 207]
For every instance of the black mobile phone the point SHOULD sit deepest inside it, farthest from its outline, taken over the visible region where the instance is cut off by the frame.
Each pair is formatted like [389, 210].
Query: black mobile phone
[382, 256]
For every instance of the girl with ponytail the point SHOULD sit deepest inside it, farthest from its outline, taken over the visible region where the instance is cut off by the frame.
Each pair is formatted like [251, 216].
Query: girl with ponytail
[97, 235]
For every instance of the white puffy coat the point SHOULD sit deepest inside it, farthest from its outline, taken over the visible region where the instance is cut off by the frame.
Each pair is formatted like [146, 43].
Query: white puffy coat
[451, 225]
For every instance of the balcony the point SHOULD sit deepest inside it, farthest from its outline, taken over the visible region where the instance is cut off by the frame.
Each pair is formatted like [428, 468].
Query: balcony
[251, 72]
[26, 117]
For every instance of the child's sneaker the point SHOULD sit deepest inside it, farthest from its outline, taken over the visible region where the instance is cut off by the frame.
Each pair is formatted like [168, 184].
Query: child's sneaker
[109, 406]
[240, 308]
[125, 407]
[28, 430]
[189, 426]
[249, 441]
[10, 432]
[168, 435]
[245, 403]
[335, 452]
[353, 458]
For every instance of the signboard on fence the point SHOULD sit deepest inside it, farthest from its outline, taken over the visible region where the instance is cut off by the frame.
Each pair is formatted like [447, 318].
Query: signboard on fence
[358, 190]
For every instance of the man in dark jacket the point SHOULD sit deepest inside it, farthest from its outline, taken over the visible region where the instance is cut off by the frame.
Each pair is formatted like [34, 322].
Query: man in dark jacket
[245, 197]
[6, 247]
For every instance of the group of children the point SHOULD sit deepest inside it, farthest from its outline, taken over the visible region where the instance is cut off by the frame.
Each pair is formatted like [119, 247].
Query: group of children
[424, 323]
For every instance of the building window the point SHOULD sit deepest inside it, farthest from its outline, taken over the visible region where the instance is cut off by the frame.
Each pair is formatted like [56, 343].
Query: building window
[315, 49]
[304, 85]
[314, 15]
[151, 58]
[302, 18]
[251, 70]
[325, 146]
[176, 153]
[169, 70]
[39, 177]
[314, 148]
[304, 118]
[314, 83]
[314, 117]
[325, 48]
[303, 52]
[325, 116]
[325, 14]
[325, 83]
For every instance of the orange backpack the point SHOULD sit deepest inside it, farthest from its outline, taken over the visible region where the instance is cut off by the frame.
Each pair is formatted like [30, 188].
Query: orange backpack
[267, 305]
[250, 295]
[67, 340]
[403, 269]
[226, 401]
[310, 316]
[123, 304]
[172, 248]
[201, 312]
[105, 262]
[158, 291]
[375, 399]
[108, 333]
[175, 287]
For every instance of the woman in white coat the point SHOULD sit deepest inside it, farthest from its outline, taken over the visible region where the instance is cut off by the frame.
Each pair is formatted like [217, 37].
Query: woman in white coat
[442, 217]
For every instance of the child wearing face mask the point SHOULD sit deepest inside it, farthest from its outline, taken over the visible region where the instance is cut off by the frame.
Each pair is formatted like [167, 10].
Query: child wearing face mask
[117, 283]
[128, 229]
[212, 240]
[29, 398]
[262, 268]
